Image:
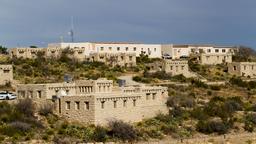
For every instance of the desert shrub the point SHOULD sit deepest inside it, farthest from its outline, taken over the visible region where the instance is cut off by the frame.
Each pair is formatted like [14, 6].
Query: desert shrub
[180, 78]
[62, 140]
[209, 92]
[163, 118]
[238, 82]
[46, 109]
[25, 106]
[252, 84]
[250, 122]
[159, 74]
[211, 127]
[172, 101]
[199, 113]
[199, 83]
[178, 112]
[21, 126]
[122, 130]
[187, 102]
[215, 87]
[141, 79]
[100, 134]
[76, 131]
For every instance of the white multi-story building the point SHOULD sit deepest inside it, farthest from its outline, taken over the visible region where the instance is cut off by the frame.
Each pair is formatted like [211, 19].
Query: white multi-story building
[152, 50]
[178, 51]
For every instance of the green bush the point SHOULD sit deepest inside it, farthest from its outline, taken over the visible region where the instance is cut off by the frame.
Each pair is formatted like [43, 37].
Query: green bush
[199, 83]
[100, 134]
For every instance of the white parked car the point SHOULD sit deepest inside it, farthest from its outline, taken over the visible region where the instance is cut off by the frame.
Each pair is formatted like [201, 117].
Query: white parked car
[7, 96]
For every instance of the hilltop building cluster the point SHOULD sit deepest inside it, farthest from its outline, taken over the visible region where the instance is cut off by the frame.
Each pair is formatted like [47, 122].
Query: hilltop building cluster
[99, 101]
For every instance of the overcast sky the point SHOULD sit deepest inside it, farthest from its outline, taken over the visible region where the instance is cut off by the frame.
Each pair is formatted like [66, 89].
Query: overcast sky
[38, 22]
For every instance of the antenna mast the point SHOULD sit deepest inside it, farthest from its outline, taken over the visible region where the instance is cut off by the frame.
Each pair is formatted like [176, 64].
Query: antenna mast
[72, 30]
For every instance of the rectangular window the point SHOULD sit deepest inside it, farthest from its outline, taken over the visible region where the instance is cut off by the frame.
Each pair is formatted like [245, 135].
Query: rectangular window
[234, 68]
[155, 49]
[39, 94]
[216, 50]
[30, 94]
[110, 48]
[86, 106]
[244, 67]
[67, 92]
[182, 67]
[126, 48]
[130, 58]
[102, 104]
[118, 48]
[134, 49]
[77, 105]
[124, 103]
[6, 71]
[147, 96]
[154, 96]
[223, 50]
[114, 104]
[101, 48]
[67, 105]
[170, 67]
[134, 102]
[208, 50]
[252, 67]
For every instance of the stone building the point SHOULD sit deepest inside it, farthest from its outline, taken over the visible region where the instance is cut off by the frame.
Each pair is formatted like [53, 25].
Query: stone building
[6, 74]
[98, 101]
[247, 69]
[214, 58]
[78, 53]
[121, 59]
[173, 67]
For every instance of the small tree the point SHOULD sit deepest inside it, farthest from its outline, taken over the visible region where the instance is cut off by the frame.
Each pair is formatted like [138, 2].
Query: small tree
[3, 50]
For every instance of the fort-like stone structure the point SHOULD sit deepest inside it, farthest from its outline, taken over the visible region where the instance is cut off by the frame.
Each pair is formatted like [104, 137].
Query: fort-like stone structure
[98, 101]
[6, 74]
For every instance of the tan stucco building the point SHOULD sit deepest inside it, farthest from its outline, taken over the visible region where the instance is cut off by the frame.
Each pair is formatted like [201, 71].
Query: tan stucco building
[214, 58]
[99, 101]
[78, 53]
[242, 69]
[173, 67]
[6, 74]
[113, 59]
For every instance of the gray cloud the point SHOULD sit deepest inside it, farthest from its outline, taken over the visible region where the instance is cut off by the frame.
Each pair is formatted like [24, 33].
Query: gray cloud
[38, 22]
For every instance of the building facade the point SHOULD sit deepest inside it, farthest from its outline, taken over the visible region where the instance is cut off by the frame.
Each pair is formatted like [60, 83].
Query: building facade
[173, 67]
[247, 69]
[6, 74]
[152, 50]
[179, 51]
[98, 101]
[213, 58]
[114, 59]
